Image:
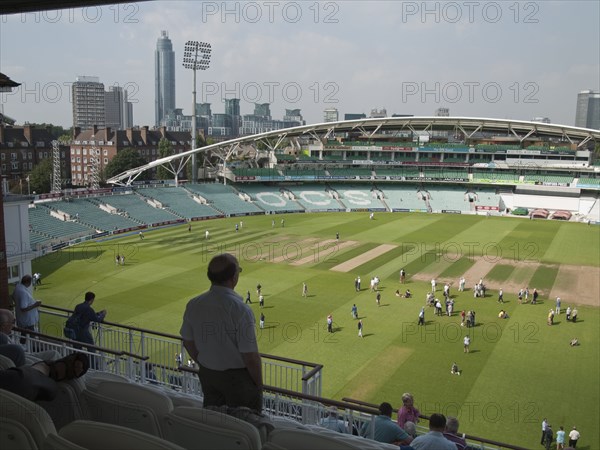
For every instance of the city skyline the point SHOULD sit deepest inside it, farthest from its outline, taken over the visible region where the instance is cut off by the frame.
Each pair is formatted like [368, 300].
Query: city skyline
[409, 58]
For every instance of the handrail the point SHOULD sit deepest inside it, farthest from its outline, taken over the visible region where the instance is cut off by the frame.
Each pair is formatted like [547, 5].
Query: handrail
[423, 416]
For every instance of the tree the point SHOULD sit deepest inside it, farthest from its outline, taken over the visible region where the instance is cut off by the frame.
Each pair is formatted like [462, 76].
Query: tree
[40, 178]
[126, 159]
[164, 149]
[55, 130]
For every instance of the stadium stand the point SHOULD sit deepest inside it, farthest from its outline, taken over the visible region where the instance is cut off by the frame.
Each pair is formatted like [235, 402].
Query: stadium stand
[358, 197]
[136, 208]
[45, 227]
[269, 198]
[403, 198]
[447, 199]
[92, 216]
[179, 201]
[224, 198]
[314, 197]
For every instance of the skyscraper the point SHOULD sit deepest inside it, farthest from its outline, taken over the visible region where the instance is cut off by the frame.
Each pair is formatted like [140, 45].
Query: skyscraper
[330, 115]
[88, 103]
[587, 114]
[118, 111]
[164, 77]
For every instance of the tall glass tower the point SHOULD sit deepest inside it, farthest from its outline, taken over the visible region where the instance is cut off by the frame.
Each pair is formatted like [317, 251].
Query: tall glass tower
[164, 77]
[587, 114]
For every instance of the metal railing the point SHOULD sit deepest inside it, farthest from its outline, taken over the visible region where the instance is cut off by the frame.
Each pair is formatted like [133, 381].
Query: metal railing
[164, 353]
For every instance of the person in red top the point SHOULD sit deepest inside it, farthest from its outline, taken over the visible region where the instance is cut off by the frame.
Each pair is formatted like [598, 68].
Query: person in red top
[407, 413]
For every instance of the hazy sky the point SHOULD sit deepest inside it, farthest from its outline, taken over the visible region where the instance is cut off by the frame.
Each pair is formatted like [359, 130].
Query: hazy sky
[502, 59]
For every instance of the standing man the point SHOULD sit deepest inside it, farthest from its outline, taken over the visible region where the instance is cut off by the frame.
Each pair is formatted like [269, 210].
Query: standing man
[358, 285]
[206, 234]
[141, 235]
[544, 426]
[337, 236]
[378, 298]
[229, 365]
[282, 223]
[466, 344]
[500, 296]
[573, 437]
[262, 321]
[360, 328]
[535, 296]
[557, 306]
[237, 227]
[433, 285]
[330, 323]
[85, 314]
[248, 297]
[549, 437]
[422, 316]
[402, 275]
[26, 308]
[354, 311]
[304, 290]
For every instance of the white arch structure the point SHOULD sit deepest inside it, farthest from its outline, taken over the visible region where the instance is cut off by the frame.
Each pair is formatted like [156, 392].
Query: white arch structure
[468, 126]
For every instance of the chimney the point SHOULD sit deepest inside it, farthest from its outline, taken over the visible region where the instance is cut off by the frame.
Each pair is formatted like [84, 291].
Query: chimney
[27, 133]
[76, 132]
[163, 131]
[107, 134]
[129, 133]
[145, 134]
[1, 134]
[94, 130]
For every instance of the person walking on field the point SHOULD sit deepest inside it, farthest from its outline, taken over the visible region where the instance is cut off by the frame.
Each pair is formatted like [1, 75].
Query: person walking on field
[304, 290]
[466, 344]
[360, 328]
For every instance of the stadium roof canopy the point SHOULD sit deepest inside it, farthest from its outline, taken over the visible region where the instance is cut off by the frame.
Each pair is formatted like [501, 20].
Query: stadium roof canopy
[468, 126]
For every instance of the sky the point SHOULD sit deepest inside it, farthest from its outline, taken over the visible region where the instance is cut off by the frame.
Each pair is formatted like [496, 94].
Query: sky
[498, 59]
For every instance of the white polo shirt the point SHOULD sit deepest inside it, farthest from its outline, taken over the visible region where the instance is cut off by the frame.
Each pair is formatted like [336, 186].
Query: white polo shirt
[221, 326]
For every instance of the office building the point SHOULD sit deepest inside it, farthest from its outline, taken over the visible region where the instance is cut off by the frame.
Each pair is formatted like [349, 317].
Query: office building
[587, 114]
[330, 115]
[118, 111]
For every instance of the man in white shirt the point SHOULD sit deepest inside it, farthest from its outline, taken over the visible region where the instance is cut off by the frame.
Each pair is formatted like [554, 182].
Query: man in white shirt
[26, 308]
[573, 437]
[218, 332]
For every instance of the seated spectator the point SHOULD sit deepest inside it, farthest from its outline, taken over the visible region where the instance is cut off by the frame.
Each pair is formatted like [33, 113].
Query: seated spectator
[408, 294]
[332, 422]
[452, 435]
[411, 429]
[574, 342]
[502, 314]
[8, 345]
[407, 411]
[434, 440]
[39, 381]
[398, 294]
[382, 429]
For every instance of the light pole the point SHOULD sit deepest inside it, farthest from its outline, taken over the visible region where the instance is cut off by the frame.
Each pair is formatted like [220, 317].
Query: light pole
[196, 56]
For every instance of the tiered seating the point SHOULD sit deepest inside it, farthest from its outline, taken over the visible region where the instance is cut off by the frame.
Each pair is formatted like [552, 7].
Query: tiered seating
[309, 174]
[548, 178]
[92, 216]
[496, 177]
[313, 197]
[257, 172]
[269, 199]
[486, 197]
[398, 172]
[178, 201]
[350, 172]
[446, 174]
[357, 197]
[46, 226]
[403, 197]
[447, 198]
[495, 147]
[589, 181]
[138, 209]
[224, 198]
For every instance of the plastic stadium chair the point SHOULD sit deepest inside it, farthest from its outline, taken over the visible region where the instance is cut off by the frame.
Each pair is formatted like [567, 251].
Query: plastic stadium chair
[23, 424]
[203, 429]
[131, 405]
[56, 442]
[103, 436]
[291, 439]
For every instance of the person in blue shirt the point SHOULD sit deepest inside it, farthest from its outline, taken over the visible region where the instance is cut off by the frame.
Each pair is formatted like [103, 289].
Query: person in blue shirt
[85, 315]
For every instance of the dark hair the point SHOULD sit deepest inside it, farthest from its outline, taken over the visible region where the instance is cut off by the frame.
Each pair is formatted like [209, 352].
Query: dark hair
[222, 268]
[437, 422]
[26, 279]
[89, 296]
[386, 409]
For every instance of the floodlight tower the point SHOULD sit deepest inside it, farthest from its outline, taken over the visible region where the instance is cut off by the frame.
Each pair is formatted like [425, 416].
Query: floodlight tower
[195, 56]
[56, 181]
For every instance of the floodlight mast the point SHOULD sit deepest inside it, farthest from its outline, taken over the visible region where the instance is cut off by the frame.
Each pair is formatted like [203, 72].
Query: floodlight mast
[192, 52]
